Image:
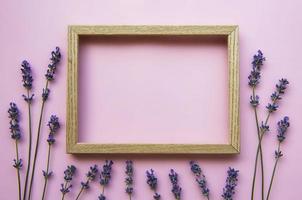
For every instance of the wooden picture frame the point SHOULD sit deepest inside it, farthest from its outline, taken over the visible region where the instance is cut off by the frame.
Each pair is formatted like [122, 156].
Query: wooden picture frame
[76, 147]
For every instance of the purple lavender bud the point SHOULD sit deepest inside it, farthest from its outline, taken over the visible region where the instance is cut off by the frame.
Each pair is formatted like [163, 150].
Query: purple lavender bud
[254, 101]
[55, 59]
[278, 154]
[272, 107]
[254, 77]
[258, 60]
[105, 175]
[13, 114]
[200, 178]
[156, 196]
[92, 172]
[46, 175]
[68, 175]
[45, 94]
[27, 78]
[18, 163]
[230, 185]
[151, 179]
[264, 128]
[129, 178]
[176, 189]
[101, 197]
[53, 124]
[282, 128]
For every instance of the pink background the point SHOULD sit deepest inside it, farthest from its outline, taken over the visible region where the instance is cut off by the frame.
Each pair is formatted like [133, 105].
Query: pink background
[31, 29]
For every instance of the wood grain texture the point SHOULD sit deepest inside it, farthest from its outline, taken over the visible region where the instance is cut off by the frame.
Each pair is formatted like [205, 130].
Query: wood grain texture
[75, 147]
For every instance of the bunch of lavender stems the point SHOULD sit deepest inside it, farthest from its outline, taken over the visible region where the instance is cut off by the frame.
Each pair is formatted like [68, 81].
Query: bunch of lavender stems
[152, 182]
[55, 59]
[282, 129]
[129, 178]
[230, 184]
[90, 176]
[254, 79]
[176, 189]
[27, 84]
[14, 115]
[200, 179]
[53, 126]
[105, 177]
[68, 175]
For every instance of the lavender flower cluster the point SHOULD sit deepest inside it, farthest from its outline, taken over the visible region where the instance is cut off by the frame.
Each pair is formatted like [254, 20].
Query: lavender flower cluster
[68, 175]
[27, 80]
[105, 177]
[231, 183]
[13, 113]
[152, 182]
[53, 125]
[176, 189]
[54, 60]
[200, 178]
[91, 174]
[129, 178]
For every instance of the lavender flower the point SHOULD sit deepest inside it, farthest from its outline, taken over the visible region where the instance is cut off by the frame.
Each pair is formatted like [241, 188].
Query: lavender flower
[254, 100]
[231, 183]
[258, 60]
[129, 178]
[91, 174]
[105, 175]
[18, 163]
[13, 113]
[200, 178]
[151, 179]
[101, 197]
[68, 175]
[277, 95]
[27, 80]
[264, 127]
[283, 125]
[55, 59]
[152, 182]
[45, 94]
[257, 63]
[176, 189]
[53, 125]
[282, 128]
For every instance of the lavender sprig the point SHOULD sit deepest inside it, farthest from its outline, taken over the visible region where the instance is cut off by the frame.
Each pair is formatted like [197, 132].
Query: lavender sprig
[54, 126]
[176, 189]
[254, 80]
[90, 176]
[283, 125]
[54, 61]
[152, 182]
[68, 175]
[230, 184]
[129, 178]
[13, 114]
[105, 177]
[27, 80]
[200, 179]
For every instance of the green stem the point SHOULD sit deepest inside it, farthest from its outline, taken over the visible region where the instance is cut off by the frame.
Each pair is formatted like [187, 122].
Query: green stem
[78, 196]
[65, 186]
[259, 149]
[18, 171]
[29, 146]
[273, 175]
[36, 147]
[47, 171]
